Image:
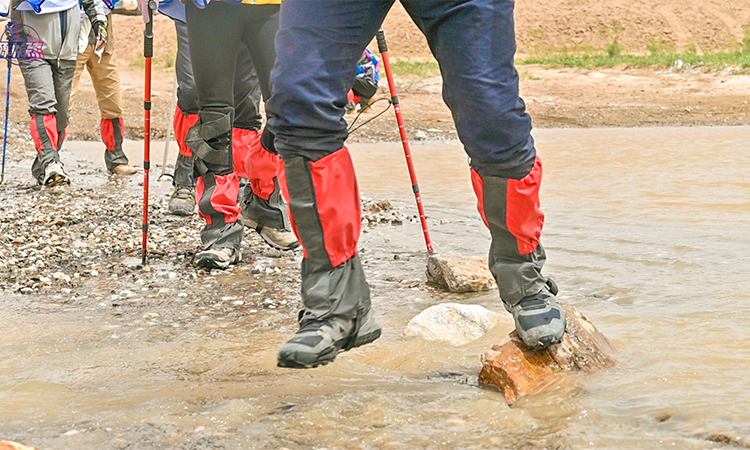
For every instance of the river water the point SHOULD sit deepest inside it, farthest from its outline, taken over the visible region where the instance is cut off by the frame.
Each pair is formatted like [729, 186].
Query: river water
[647, 233]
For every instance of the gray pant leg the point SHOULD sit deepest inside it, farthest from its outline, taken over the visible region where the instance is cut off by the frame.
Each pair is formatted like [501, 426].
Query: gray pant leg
[48, 85]
[40, 86]
[63, 72]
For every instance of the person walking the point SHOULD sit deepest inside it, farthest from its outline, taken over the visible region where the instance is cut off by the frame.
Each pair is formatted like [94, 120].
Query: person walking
[318, 45]
[48, 80]
[101, 63]
[261, 205]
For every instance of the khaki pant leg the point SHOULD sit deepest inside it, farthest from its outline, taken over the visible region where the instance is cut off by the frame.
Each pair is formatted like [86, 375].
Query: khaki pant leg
[105, 76]
[83, 59]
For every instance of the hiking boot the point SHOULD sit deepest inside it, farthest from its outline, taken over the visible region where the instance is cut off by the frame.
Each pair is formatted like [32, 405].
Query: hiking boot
[540, 320]
[318, 342]
[277, 238]
[124, 169]
[217, 258]
[182, 201]
[54, 175]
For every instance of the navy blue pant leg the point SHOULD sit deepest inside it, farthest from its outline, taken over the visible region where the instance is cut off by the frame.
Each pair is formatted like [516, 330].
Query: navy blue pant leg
[474, 43]
[318, 46]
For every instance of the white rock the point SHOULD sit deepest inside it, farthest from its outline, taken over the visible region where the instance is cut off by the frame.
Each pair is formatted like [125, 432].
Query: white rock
[453, 323]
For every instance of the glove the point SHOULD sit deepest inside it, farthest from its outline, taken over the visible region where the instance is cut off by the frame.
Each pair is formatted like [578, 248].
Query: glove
[100, 31]
[143, 6]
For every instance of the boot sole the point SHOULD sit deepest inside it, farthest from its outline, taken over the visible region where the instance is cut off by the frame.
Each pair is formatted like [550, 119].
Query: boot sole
[287, 359]
[57, 179]
[210, 263]
[121, 173]
[548, 341]
[181, 213]
[270, 242]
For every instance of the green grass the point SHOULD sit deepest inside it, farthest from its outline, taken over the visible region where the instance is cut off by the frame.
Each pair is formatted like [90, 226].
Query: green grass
[529, 76]
[424, 69]
[138, 62]
[171, 58]
[716, 61]
[661, 57]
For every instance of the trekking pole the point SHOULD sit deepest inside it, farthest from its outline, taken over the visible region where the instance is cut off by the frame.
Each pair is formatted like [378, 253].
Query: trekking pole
[383, 49]
[7, 109]
[148, 53]
[170, 127]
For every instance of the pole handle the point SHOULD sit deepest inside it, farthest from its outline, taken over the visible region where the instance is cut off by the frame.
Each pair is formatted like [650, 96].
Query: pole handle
[148, 33]
[382, 44]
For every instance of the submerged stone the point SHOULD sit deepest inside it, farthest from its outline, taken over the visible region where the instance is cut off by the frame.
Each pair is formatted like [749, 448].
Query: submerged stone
[520, 372]
[460, 273]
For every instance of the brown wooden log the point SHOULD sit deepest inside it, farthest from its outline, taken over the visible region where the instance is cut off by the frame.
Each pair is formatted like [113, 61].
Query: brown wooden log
[10, 445]
[519, 372]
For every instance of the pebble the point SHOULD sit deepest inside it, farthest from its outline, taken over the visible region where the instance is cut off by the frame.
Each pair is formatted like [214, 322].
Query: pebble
[87, 243]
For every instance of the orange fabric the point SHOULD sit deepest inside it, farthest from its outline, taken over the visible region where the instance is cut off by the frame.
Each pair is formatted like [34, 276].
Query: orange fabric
[223, 198]
[525, 218]
[108, 133]
[339, 207]
[181, 126]
[50, 128]
[243, 142]
[263, 168]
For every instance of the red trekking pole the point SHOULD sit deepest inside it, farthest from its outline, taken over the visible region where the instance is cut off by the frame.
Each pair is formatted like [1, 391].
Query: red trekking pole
[383, 49]
[148, 52]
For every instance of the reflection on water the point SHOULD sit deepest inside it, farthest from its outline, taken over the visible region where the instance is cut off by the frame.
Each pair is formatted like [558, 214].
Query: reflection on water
[648, 234]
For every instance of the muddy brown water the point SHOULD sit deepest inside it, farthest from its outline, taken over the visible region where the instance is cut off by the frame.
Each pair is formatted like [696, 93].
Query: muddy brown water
[647, 233]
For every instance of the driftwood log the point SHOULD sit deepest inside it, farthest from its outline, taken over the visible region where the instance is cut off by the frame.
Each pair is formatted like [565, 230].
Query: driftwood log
[519, 372]
[10, 445]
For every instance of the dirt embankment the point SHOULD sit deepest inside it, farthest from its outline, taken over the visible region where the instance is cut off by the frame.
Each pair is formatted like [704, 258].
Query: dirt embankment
[555, 97]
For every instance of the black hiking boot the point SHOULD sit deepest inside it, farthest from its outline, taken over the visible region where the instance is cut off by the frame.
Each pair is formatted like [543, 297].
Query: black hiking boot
[217, 258]
[318, 342]
[540, 320]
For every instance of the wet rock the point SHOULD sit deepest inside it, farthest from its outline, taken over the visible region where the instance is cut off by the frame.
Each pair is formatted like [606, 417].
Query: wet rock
[10, 445]
[727, 439]
[460, 273]
[520, 372]
[381, 213]
[452, 323]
